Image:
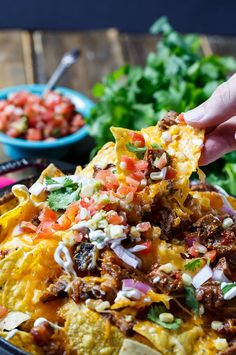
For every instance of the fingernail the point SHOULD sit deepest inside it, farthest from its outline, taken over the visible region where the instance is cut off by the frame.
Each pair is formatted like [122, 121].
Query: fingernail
[194, 115]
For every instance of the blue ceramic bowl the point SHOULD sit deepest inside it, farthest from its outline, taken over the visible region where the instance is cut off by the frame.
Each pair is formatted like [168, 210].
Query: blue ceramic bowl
[20, 148]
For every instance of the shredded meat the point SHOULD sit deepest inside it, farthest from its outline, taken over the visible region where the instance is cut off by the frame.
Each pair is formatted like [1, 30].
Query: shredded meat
[207, 226]
[82, 290]
[164, 218]
[203, 186]
[151, 155]
[171, 284]
[55, 290]
[210, 295]
[85, 256]
[120, 322]
[168, 120]
[228, 328]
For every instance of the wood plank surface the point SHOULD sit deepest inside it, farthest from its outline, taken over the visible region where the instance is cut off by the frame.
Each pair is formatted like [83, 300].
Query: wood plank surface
[101, 53]
[13, 70]
[136, 48]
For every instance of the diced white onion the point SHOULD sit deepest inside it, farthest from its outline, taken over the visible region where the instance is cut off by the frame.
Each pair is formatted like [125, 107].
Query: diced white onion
[166, 136]
[202, 276]
[137, 248]
[36, 188]
[127, 257]
[231, 293]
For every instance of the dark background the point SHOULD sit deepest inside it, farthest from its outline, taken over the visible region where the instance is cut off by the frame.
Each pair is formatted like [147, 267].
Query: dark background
[204, 16]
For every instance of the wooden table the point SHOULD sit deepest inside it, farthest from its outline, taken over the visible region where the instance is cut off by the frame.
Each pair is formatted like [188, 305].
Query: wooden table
[31, 57]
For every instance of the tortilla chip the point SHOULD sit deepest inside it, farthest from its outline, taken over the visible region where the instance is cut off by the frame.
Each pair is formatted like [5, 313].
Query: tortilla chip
[170, 342]
[134, 347]
[184, 149]
[12, 320]
[88, 333]
[30, 269]
[24, 341]
[105, 156]
[23, 211]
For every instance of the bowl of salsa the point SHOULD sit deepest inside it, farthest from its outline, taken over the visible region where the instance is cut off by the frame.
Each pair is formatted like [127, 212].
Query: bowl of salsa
[37, 125]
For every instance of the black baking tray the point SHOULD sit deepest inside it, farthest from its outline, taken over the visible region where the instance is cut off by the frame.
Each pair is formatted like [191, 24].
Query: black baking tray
[12, 166]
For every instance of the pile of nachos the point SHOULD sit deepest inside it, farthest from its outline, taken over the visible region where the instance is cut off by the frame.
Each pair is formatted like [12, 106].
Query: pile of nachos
[125, 256]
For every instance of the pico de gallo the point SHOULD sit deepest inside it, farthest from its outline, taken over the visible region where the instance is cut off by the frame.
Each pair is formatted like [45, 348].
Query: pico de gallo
[28, 116]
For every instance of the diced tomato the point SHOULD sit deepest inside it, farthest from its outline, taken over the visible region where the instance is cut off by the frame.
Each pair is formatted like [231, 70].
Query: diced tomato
[148, 245]
[180, 118]
[211, 255]
[108, 179]
[162, 162]
[48, 215]
[52, 116]
[129, 163]
[63, 223]
[3, 311]
[193, 252]
[114, 218]
[28, 227]
[72, 210]
[131, 181]
[141, 165]
[34, 134]
[138, 140]
[171, 173]
[19, 98]
[138, 175]
[125, 190]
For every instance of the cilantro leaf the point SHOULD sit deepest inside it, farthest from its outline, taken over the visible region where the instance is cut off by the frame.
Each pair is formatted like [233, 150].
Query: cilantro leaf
[227, 288]
[190, 299]
[60, 199]
[153, 316]
[50, 181]
[193, 264]
[156, 146]
[137, 150]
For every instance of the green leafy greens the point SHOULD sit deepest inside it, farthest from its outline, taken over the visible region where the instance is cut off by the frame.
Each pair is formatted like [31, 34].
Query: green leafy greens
[62, 197]
[190, 299]
[153, 316]
[227, 288]
[138, 151]
[193, 264]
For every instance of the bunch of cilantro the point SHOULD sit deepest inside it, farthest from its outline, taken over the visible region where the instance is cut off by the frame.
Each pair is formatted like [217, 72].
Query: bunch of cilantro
[177, 76]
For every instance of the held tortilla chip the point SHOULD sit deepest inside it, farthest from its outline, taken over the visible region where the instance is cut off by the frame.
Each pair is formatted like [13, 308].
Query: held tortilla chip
[183, 145]
[88, 333]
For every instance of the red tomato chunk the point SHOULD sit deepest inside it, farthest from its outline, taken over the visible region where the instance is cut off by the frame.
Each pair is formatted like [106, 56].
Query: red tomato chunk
[28, 116]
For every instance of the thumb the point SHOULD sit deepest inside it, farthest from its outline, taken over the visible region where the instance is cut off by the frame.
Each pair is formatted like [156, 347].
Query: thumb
[218, 142]
[217, 109]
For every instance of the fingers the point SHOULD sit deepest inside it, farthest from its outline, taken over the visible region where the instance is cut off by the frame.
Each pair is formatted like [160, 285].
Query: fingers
[220, 141]
[217, 109]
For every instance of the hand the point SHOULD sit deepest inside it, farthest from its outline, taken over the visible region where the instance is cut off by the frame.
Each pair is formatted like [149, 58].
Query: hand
[218, 116]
